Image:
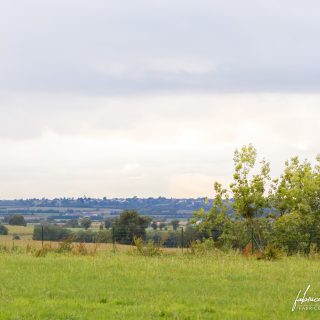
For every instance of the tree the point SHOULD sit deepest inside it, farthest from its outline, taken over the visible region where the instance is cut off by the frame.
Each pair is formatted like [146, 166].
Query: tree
[129, 225]
[85, 223]
[297, 189]
[108, 223]
[175, 224]
[296, 199]
[3, 230]
[249, 190]
[154, 225]
[249, 201]
[17, 220]
[211, 223]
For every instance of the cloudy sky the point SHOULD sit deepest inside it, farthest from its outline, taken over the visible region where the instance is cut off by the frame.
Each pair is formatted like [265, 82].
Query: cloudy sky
[149, 98]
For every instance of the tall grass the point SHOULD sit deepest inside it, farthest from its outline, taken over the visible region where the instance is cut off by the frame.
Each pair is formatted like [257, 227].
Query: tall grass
[169, 286]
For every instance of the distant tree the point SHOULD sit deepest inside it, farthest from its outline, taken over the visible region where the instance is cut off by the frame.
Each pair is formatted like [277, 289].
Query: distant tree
[3, 230]
[175, 224]
[108, 223]
[154, 225]
[85, 223]
[73, 223]
[17, 220]
[129, 225]
[51, 232]
[162, 225]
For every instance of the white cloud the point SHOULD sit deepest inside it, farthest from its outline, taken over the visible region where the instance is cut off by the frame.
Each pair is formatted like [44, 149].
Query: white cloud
[148, 145]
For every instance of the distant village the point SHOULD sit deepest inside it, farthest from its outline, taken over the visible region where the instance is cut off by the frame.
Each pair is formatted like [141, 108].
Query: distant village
[61, 209]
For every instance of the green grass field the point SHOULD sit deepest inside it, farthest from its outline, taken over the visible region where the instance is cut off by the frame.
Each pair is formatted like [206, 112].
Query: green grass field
[172, 286]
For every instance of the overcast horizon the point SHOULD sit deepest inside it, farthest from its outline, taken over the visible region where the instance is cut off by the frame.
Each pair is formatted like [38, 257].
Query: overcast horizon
[150, 98]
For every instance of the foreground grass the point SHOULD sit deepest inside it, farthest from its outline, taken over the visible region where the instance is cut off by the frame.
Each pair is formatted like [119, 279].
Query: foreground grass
[172, 286]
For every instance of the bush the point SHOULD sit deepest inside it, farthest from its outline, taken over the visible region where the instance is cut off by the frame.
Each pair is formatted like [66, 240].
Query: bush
[3, 230]
[103, 236]
[291, 232]
[51, 232]
[66, 246]
[202, 247]
[85, 236]
[150, 249]
[271, 252]
[16, 237]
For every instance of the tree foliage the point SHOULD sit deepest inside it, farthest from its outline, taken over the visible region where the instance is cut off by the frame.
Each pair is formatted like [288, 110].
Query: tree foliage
[129, 225]
[17, 220]
[248, 189]
[51, 232]
[85, 223]
[284, 211]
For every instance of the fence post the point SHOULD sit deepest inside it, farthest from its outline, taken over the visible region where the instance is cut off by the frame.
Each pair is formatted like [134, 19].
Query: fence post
[42, 235]
[113, 239]
[252, 236]
[182, 239]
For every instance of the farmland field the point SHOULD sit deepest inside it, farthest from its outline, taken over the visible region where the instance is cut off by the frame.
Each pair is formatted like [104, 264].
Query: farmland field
[123, 285]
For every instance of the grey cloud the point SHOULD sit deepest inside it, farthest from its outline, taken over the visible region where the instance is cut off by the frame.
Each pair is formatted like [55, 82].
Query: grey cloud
[117, 47]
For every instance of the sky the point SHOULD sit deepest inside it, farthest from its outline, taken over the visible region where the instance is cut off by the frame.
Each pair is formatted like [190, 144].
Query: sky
[151, 98]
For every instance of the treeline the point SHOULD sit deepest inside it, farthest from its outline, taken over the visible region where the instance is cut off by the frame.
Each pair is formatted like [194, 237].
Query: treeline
[163, 207]
[121, 230]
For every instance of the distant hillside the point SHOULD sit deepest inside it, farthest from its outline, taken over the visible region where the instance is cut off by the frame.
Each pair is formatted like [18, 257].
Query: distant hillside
[156, 207]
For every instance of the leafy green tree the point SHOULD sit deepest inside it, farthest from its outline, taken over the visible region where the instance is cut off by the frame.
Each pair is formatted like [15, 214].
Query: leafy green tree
[248, 189]
[129, 225]
[17, 220]
[211, 223]
[249, 199]
[296, 199]
[296, 189]
[85, 223]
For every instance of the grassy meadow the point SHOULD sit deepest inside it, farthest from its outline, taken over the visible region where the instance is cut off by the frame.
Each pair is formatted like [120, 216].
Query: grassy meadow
[124, 285]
